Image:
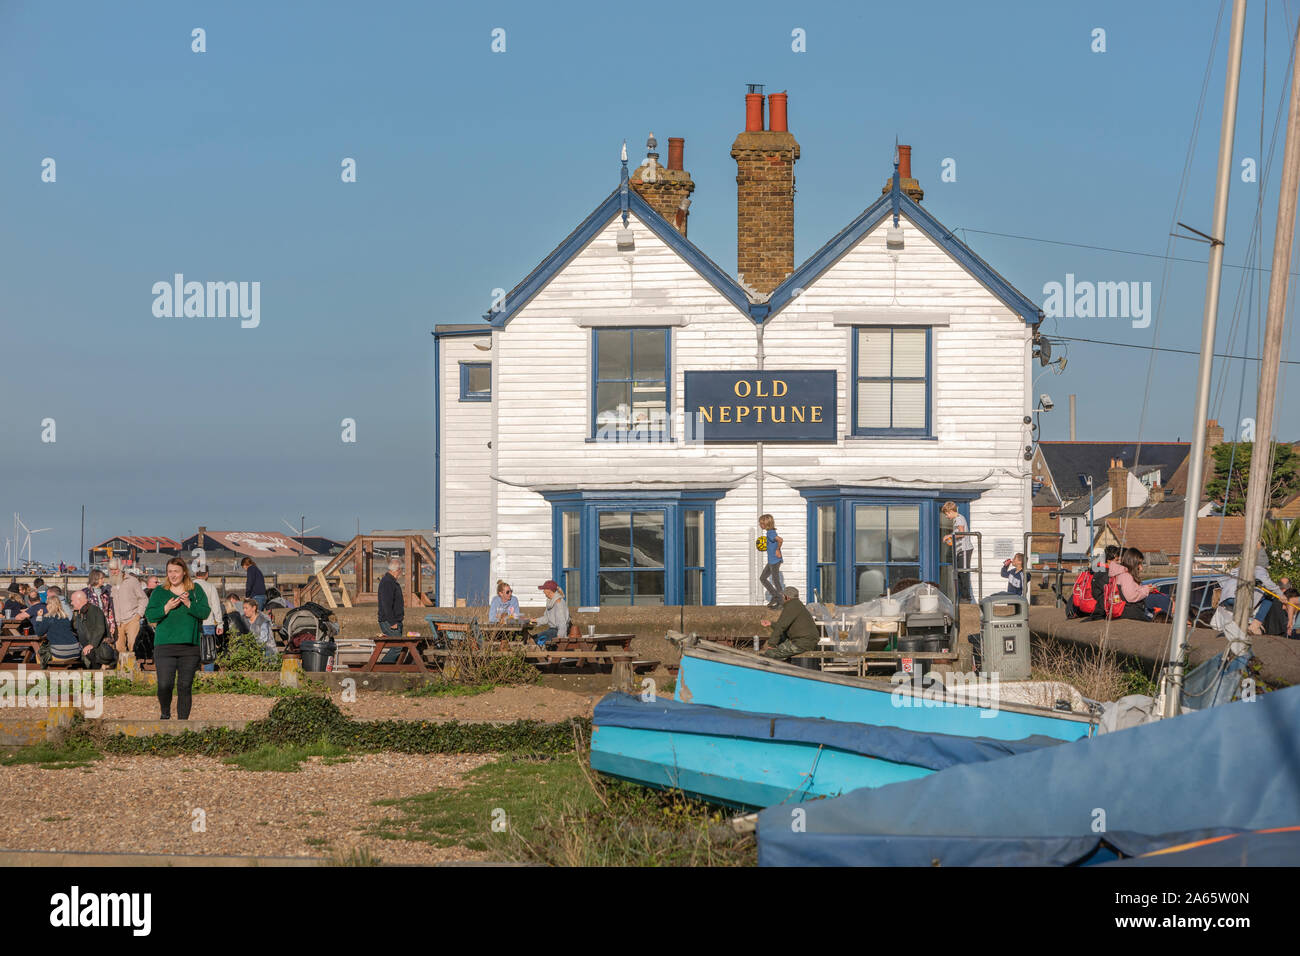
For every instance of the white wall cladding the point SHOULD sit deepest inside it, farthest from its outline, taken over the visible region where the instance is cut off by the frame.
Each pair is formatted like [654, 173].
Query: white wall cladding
[466, 493]
[542, 397]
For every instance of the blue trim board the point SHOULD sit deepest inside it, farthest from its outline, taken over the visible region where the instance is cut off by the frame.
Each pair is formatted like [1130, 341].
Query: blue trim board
[437, 466]
[927, 431]
[465, 394]
[600, 217]
[651, 436]
[623, 200]
[829, 254]
[844, 498]
[590, 504]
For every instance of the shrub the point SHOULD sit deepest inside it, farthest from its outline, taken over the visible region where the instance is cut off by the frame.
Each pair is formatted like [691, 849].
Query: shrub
[311, 719]
[244, 652]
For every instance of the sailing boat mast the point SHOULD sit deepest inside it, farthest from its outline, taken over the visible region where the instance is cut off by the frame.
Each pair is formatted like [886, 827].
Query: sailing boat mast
[1257, 491]
[1173, 689]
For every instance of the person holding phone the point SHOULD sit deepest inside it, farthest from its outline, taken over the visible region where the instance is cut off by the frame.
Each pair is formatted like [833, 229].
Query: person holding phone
[176, 610]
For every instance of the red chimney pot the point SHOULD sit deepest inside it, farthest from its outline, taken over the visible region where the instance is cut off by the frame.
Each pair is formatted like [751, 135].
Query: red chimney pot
[753, 112]
[904, 162]
[675, 145]
[776, 116]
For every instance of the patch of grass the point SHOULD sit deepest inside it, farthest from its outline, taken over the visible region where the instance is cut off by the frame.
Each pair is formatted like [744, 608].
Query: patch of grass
[74, 752]
[1096, 674]
[315, 841]
[219, 682]
[285, 758]
[361, 857]
[55, 819]
[448, 689]
[512, 792]
[557, 812]
[307, 718]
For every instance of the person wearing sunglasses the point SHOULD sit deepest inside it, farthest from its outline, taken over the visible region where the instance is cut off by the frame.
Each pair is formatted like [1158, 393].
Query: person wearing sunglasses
[504, 604]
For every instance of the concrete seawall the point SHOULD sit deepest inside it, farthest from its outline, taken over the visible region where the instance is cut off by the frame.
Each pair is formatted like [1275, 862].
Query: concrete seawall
[1148, 644]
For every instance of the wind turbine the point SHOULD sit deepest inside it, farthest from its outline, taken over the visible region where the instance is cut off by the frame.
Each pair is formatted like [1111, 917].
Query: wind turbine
[302, 532]
[30, 531]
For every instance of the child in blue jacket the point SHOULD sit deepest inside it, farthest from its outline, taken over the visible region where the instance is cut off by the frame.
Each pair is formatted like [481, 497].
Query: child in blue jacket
[1013, 569]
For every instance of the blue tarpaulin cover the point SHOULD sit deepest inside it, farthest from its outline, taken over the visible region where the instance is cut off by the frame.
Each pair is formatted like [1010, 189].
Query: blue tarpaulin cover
[1279, 847]
[932, 751]
[1204, 774]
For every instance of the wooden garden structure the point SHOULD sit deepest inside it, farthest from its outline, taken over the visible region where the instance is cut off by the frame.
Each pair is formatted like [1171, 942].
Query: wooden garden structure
[417, 570]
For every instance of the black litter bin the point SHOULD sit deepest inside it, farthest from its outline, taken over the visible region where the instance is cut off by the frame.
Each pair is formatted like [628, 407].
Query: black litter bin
[912, 644]
[316, 654]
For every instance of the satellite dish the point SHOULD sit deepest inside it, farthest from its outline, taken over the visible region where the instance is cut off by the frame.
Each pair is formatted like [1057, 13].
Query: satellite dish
[1044, 352]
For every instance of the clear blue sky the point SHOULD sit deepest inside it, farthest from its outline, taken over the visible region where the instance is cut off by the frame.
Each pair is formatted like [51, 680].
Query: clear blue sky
[473, 165]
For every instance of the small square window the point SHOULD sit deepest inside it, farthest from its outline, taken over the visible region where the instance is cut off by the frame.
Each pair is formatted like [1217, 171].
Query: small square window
[475, 381]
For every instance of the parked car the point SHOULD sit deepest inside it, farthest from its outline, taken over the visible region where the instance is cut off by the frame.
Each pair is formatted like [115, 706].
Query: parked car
[1201, 605]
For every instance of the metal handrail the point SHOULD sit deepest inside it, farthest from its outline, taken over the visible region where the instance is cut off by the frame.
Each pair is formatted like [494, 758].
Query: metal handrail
[979, 551]
[1059, 570]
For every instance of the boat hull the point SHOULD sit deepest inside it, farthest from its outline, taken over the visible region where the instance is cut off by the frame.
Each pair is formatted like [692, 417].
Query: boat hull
[755, 760]
[722, 677]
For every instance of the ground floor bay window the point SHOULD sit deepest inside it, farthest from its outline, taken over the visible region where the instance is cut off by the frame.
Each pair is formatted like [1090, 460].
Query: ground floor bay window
[619, 549]
[865, 541]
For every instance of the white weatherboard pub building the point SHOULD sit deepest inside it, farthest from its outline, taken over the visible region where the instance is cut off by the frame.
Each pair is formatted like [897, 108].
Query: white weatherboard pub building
[619, 421]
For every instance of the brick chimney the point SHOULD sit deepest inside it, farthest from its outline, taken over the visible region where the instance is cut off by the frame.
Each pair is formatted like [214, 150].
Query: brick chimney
[667, 188]
[765, 161]
[1156, 495]
[910, 186]
[1213, 434]
[1117, 478]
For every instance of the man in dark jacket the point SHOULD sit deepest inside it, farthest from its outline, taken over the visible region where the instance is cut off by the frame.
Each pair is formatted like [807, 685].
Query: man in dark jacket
[794, 631]
[254, 583]
[391, 608]
[91, 628]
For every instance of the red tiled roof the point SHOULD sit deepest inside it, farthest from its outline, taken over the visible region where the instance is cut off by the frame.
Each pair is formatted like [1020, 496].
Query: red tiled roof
[1165, 534]
[145, 542]
[257, 544]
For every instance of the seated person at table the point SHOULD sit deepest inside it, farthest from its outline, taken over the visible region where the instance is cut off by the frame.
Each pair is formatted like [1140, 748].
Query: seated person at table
[234, 620]
[53, 625]
[33, 607]
[91, 628]
[794, 631]
[504, 604]
[259, 625]
[1292, 613]
[13, 601]
[555, 619]
[1141, 601]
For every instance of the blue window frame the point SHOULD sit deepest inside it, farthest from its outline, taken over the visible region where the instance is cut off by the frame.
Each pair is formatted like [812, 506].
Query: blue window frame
[868, 539]
[476, 381]
[891, 381]
[630, 384]
[629, 548]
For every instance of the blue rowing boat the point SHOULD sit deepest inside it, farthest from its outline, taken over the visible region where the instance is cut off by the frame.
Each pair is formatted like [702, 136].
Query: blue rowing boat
[750, 732]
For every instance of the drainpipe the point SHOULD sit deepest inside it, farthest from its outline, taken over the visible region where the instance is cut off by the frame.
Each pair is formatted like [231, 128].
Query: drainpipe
[759, 470]
[437, 468]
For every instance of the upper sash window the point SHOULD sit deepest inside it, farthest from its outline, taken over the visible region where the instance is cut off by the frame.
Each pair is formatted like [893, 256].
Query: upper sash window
[891, 381]
[630, 383]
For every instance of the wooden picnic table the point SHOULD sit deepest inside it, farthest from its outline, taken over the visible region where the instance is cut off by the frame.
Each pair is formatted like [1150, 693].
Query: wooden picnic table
[27, 645]
[589, 648]
[409, 658]
[502, 630]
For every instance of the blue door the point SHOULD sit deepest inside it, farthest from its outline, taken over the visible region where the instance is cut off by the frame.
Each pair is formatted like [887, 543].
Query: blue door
[473, 570]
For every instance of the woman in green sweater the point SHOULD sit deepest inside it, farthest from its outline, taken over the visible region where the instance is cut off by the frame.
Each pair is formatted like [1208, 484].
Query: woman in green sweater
[176, 612]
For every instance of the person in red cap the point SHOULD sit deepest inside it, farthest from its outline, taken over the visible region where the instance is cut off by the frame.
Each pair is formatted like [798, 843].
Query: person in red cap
[555, 619]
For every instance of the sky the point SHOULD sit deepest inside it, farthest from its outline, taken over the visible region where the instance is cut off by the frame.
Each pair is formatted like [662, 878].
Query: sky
[471, 165]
